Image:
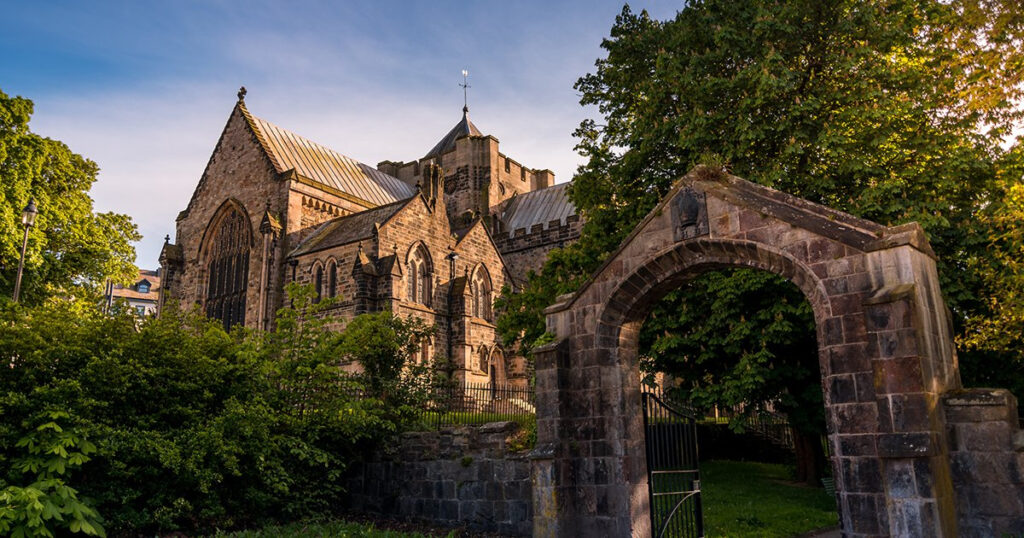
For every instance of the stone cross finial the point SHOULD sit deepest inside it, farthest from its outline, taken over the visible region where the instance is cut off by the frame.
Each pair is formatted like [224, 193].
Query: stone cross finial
[167, 238]
[241, 93]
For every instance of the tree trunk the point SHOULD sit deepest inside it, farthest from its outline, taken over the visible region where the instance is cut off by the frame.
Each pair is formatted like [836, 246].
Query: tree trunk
[810, 457]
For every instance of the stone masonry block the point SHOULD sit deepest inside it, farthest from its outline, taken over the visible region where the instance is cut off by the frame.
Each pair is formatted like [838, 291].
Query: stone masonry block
[898, 375]
[848, 359]
[855, 417]
[907, 445]
[862, 474]
[857, 445]
[900, 481]
[865, 514]
[841, 389]
[984, 436]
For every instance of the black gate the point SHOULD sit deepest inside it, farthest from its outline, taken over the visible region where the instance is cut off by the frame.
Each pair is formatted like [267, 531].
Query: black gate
[673, 477]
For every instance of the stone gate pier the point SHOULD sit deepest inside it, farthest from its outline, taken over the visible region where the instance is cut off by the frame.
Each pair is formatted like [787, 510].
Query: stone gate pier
[913, 452]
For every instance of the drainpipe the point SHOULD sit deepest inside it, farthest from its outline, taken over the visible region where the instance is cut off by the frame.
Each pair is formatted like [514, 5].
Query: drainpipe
[451, 257]
[293, 263]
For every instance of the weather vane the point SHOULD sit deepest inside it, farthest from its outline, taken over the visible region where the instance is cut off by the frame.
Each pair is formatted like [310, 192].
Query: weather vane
[465, 85]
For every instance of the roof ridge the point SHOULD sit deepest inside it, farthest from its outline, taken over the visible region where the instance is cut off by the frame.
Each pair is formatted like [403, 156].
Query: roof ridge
[323, 166]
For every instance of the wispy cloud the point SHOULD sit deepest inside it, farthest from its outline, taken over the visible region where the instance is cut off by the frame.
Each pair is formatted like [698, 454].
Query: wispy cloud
[144, 90]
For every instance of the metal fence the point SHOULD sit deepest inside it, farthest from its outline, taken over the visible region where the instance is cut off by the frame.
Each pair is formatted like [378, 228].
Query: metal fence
[478, 403]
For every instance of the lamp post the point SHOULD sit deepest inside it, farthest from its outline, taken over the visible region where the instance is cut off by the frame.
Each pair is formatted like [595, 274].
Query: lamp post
[28, 218]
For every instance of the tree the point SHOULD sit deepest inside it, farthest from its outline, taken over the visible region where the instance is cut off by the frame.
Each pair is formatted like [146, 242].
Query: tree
[381, 344]
[71, 249]
[893, 111]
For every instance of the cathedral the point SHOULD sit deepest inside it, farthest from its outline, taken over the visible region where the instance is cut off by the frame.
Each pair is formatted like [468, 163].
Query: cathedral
[434, 238]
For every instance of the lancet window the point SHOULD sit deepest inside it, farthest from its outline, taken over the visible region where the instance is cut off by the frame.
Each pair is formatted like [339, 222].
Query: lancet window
[482, 292]
[332, 279]
[420, 275]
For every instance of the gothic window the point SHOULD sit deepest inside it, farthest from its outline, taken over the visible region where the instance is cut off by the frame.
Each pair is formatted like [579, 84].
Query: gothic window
[497, 362]
[332, 279]
[482, 293]
[482, 363]
[423, 357]
[480, 360]
[227, 266]
[420, 274]
[319, 272]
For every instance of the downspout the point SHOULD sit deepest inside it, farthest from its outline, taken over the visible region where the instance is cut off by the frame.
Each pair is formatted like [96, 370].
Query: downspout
[451, 257]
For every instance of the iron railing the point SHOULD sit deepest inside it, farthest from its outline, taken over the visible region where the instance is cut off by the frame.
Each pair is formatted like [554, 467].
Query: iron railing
[456, 404]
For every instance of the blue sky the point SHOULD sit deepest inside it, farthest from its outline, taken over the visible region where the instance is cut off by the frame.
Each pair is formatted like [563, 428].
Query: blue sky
[144, 88]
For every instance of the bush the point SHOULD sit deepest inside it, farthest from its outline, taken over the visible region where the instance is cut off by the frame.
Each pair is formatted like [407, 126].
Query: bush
[195, 429]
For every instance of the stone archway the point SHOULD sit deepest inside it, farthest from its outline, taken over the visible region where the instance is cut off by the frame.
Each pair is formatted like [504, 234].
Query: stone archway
[885, 351]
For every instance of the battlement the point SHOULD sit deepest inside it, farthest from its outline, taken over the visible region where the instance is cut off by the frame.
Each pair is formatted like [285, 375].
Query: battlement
[526, 250]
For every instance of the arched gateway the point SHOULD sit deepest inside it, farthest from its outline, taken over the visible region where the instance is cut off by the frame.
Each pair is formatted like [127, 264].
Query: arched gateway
[896, 413]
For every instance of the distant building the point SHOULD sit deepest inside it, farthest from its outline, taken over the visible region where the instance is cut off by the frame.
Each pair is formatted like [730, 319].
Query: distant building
[141, 296]
[434, 238]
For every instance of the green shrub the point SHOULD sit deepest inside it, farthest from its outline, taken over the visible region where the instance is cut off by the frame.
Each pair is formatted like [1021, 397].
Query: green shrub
[195, 429]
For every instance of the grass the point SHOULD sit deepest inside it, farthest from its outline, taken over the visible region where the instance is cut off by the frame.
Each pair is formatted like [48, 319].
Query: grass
[338, 529]
[755, 499]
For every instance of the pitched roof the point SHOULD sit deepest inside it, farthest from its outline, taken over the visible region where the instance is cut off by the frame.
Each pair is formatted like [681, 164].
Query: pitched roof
[538, 207]
[348, 229]
[132, 291]
[461, 129]
[289, 151]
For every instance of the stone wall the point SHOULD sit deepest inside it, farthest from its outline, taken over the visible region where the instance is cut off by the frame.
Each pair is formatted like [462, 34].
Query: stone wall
[460, 477]
[986, 447]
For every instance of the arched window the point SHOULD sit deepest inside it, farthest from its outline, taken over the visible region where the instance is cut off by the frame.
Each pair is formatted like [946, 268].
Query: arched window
[483, 362]
[319, 272]
[420, 274]
[332, 279]
[480, 287]
[480, 360]
[423, 357]
[226, 254]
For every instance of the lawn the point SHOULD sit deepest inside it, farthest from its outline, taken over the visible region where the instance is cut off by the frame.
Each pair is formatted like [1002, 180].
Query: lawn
[756, 499]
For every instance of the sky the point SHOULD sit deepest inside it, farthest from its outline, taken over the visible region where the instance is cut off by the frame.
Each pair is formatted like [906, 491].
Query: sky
[145, 88]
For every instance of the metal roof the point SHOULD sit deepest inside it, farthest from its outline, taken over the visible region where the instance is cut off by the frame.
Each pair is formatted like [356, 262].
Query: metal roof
[538, 207]
[348, 229]
[323, 165]
[461, 129]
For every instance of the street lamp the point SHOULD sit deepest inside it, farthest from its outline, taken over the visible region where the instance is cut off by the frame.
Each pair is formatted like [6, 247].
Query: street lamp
[28, 218]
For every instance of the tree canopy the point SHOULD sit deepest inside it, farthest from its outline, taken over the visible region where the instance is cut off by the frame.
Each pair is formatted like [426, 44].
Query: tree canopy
[71, 248]
[894, 111]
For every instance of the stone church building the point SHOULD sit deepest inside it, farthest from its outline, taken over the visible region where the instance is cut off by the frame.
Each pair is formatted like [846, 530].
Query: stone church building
[434, 238]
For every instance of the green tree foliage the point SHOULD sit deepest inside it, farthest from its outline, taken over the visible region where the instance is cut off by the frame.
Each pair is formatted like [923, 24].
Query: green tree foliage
[380, 343]
[894, 111]
[194, 428]
[52, 450]
[71, 249]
